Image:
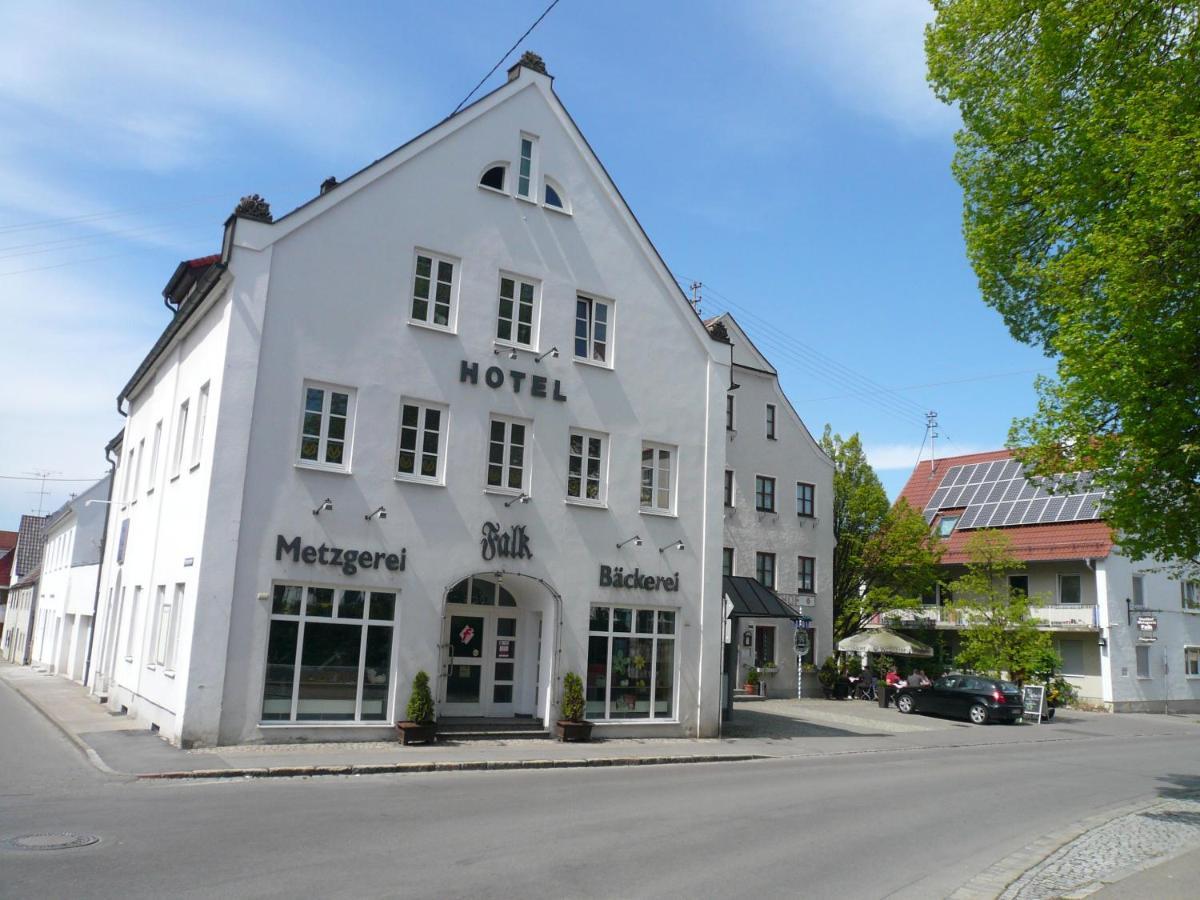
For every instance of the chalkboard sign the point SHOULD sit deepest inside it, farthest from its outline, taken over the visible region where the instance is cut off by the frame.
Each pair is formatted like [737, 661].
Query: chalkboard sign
[1033, 696]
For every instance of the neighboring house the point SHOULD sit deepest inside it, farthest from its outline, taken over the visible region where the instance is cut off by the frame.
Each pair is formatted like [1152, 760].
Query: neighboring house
[67, 590]
[453, 415]
[8, 543]
[777, 495]
[23, 589]
[1083, 590]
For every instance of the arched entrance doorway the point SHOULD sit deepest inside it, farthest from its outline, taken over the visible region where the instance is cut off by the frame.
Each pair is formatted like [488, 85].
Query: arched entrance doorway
[499, 646]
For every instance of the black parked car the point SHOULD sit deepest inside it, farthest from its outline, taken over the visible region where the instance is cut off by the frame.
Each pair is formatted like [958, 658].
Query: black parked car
[981, 700]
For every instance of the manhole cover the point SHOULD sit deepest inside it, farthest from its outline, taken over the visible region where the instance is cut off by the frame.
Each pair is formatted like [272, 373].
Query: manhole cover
[61, 841]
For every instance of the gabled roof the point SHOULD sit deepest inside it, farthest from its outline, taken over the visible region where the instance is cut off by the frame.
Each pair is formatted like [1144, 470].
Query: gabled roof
[1030, 543]
[30, 540]
[745, 353]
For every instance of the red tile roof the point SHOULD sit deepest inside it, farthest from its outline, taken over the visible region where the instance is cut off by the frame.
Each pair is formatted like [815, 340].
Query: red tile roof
[201, 261]
[1062, 540]
[8, 540]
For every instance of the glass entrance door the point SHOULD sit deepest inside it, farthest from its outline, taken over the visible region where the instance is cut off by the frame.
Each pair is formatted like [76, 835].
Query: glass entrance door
[484, 655]
[464, 677]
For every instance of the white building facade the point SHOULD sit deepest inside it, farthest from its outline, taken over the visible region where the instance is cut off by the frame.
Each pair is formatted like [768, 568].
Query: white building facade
[452, 415]
[67, 586]
[777, 497]
[1128, 632]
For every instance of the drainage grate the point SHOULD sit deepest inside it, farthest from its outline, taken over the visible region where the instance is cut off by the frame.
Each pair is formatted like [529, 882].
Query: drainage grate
[60, 841]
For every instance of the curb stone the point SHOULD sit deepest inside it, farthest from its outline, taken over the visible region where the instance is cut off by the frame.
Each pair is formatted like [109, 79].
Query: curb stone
[994, 880]
[482, 765]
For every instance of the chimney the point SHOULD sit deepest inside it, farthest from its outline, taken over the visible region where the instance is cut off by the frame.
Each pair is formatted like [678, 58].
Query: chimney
[328, 184]
[528, 60]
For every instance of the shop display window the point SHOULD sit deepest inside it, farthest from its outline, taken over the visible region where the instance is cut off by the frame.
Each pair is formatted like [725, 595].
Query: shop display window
[631, 663]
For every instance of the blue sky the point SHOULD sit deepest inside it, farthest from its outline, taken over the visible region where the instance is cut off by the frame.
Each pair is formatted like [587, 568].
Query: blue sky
[788, 155]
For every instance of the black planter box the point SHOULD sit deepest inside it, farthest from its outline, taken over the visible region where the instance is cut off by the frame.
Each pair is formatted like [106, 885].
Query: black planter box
[417, 732]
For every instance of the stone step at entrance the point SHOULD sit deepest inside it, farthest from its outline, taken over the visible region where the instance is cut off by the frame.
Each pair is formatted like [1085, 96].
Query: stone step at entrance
[472, 728]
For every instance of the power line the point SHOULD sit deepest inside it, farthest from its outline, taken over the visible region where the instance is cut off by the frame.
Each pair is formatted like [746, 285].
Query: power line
[913, 387]
[79, 240]
[35, 477]
[75, 262]
[110, 214]
[537, 22]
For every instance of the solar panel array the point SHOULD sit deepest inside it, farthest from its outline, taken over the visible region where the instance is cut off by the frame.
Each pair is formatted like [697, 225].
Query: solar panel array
[997, 493]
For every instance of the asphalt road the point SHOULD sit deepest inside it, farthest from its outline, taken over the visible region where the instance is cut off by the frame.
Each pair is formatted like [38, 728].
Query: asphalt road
[912, 824]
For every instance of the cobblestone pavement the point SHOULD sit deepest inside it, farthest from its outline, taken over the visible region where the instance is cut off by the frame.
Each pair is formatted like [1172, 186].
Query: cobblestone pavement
[1123, 845]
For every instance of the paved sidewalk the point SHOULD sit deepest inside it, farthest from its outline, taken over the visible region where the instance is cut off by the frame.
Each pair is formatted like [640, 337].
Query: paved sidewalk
[762, 730]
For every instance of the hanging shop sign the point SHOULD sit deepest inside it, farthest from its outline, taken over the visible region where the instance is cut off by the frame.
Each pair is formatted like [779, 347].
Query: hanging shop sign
[1147, 629]
[617, 577]
[510, 544]
[496, 377]
[349, 561]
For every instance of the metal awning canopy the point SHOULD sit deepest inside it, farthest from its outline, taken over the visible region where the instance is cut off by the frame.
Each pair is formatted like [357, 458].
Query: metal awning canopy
[749, 598]
[881, 640]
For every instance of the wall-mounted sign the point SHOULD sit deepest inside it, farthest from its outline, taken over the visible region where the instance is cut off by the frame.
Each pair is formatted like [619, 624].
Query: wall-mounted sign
[617, 577]
[512, 544]
[1147, 629]
[350, 561]
[496, 377]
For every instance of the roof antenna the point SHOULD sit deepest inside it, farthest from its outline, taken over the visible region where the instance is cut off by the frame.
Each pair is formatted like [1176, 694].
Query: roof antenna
[931, 426]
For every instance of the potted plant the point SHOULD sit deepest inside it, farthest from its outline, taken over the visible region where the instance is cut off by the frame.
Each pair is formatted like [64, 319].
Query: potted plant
[572, 726]
[419, 727]
[752, 680]
[1059, 692]
[828, 675]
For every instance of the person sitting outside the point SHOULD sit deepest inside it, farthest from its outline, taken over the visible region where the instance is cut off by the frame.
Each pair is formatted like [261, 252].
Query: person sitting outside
[918, 680]
[892, 678]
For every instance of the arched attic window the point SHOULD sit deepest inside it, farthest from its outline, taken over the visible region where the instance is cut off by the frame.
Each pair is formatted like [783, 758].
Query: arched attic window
[554, 196]
[493, 176]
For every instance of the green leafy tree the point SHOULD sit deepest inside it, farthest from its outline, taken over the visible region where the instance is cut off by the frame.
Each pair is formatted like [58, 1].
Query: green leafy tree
[886, 556]
[1000, 636]
[1079, 159]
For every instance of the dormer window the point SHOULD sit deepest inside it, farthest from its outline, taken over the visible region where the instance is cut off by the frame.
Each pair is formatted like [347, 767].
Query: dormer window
[493, 177]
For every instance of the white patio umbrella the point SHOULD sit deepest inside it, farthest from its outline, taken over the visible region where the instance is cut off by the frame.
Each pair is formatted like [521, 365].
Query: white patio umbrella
[881, 640]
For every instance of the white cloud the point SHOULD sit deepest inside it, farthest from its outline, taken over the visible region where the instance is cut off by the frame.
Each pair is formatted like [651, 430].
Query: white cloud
[870, 54]
[155, 88]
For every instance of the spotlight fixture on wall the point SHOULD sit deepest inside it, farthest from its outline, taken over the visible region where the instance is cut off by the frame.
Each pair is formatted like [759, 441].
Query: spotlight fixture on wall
[674, 545]
[552, 352]
[380, 513]
[325, 504]
[636, 540]
[523, 498]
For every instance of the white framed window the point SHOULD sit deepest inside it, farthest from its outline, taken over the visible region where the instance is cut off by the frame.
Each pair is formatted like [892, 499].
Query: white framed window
[726, 560]
[658, 474]
[517, 312]
[806, 574]
[554, 197]
[198, 430]
[329, 654]
[806, 499]
[631, 663]
[155, 447]
[422, 450]
[527, 168]
[506, 466]
[1191, 662]
[1070, 589]
[326, 426]
[162, 626]
[764, 645]
[131, 634]
[1189, 594]
[764, 569]
[1143, 661]
[173, 626]
[1139, 591]
[593, 327]
[764, 493]
[770, 421]
[729, 412]
[434, 290]
[180, 437]
[587, 467]
[137, 470]
[729, 487]
[494, 176]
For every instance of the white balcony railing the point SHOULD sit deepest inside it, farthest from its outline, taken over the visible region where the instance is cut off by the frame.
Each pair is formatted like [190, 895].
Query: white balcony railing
[1062, 616]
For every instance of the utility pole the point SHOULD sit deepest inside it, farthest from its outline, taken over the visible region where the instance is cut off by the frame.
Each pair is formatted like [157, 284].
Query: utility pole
[696, 298]
[931, 426]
